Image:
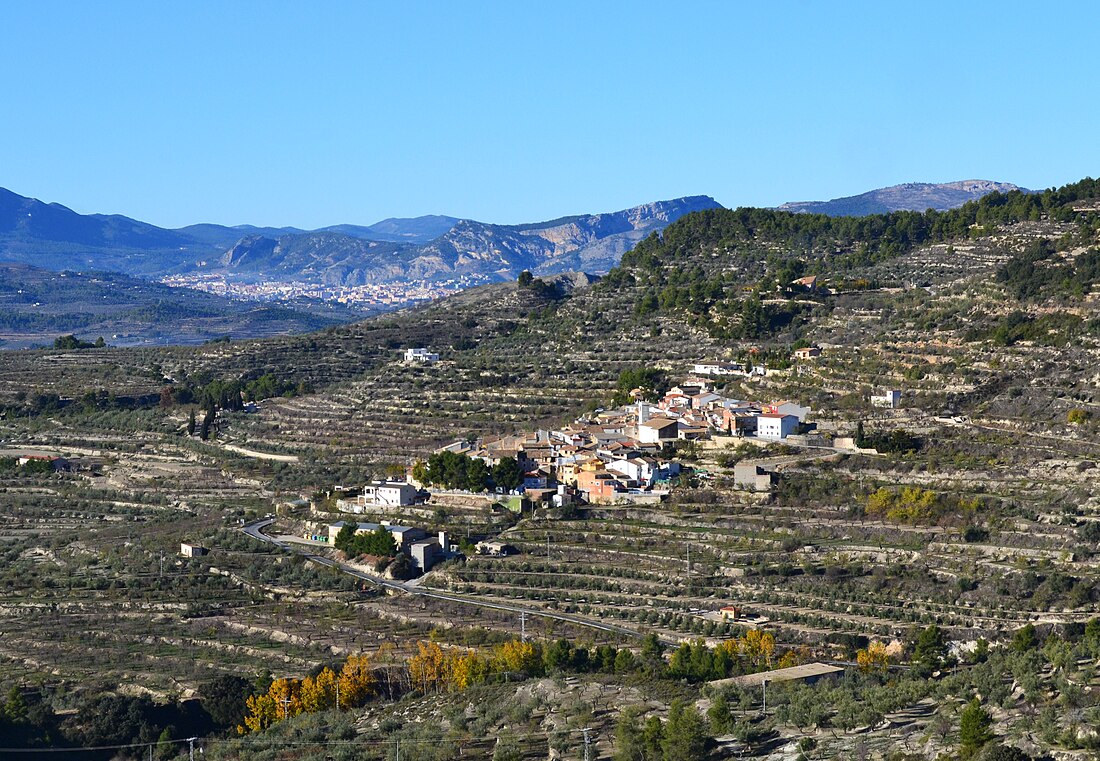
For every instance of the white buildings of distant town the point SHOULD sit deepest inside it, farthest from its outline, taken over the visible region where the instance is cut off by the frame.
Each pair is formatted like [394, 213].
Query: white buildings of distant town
[370, 296]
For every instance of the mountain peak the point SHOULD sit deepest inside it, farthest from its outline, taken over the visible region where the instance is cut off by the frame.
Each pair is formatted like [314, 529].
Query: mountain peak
[908, 196]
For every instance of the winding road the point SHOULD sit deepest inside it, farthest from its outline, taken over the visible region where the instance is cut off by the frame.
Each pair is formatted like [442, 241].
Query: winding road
[255, 530]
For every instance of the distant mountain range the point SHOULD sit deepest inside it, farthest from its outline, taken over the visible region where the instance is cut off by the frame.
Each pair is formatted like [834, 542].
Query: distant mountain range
[393, 250]
[469, 249]
[431, 248]
[911, 196]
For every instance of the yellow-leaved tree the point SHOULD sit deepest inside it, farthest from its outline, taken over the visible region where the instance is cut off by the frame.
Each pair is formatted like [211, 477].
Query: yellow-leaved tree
[874, 659]
[357, 681]
[260, 714]
[282, 700]
[758, 646]
[469, 669]
[319, 692]
[431, 669]
[516, 655]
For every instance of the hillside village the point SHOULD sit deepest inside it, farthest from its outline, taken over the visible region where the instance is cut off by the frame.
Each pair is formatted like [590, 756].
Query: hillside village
[625, 455]
[629, 453]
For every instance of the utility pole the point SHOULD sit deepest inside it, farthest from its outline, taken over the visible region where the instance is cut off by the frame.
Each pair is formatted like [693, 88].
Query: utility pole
[337, 694]
[689, 567]
[522, 626]
[587, 745]
[398, 746]
[547, 546]
[191, 748]
[764, 684]
[286, 706]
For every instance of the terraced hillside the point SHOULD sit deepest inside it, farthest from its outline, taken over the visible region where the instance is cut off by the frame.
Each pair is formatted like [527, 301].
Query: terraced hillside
[970, 508]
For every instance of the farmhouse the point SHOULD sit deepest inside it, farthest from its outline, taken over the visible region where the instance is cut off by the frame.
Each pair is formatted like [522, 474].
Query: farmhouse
[750, 476]
[890, 398]
[730, 612]
[360, 528]
[493, 549]
[189, 550]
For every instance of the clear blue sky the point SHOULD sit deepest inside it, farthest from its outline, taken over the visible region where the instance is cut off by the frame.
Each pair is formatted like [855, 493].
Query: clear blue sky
[288, 114]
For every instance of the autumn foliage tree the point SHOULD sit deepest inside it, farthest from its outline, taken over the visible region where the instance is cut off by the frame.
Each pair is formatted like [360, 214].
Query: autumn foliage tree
[873, 659]
[432, 668]
[355, 684]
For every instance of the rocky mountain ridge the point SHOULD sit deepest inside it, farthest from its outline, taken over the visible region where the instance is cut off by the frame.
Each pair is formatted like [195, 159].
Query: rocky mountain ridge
[469, 249]
[432, 247]
[909, 196]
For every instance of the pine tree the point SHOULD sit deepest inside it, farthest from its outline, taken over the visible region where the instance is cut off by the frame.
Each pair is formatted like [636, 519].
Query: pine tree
[718, 715]
[15, 707]
[974, 728]
[629, 742]
[685, 734]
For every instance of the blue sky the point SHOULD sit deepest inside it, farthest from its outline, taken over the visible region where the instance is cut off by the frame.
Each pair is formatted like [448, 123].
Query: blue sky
[279, 113]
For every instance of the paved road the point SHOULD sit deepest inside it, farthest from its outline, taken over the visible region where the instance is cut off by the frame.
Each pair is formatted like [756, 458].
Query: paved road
[255, 530]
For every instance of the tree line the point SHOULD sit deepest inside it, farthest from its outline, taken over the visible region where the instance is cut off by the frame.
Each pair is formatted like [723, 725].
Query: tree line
[456, 470]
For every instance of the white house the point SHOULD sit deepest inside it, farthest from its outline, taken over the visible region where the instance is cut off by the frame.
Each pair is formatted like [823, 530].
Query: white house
[889, 398]
[775, 425]
[420, 355]
[657, 430]
[717, 368]
[637, 469]
[390, 493]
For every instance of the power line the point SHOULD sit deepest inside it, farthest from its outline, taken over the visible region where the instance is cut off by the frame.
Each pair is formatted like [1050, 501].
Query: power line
[207, 741]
